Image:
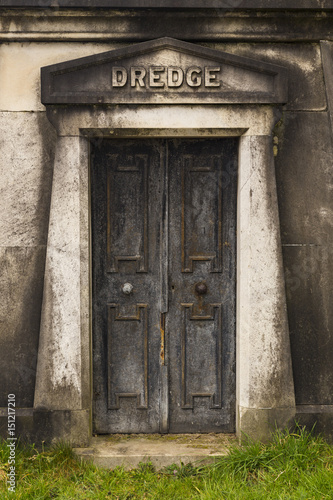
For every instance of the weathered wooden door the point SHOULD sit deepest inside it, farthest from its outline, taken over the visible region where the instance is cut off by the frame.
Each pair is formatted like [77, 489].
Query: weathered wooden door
[164, 262]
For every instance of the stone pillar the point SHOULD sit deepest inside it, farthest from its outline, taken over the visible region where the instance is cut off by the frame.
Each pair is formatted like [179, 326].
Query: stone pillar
[265, 394]
[58, 381]
[62, 394]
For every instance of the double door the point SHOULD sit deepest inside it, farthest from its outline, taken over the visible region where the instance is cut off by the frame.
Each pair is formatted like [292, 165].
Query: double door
[163, 284]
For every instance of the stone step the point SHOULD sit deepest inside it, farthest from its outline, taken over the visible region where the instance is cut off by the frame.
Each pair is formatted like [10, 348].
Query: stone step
[128, 450]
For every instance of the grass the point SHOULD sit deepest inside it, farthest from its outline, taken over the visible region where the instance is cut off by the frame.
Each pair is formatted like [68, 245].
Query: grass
[297, 465]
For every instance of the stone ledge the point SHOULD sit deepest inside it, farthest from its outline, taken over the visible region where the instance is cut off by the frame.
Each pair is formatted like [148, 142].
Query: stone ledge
[128, 450]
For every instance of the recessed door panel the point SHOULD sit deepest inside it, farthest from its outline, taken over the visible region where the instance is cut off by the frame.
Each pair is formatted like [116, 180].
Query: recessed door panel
[163, 262]
[201, 210]
[127, 201]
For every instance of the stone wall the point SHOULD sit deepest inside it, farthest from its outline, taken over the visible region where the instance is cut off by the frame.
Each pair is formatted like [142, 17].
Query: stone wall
[303, 154]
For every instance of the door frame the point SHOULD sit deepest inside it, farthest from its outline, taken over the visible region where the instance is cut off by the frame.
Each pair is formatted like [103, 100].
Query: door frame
[264, 382]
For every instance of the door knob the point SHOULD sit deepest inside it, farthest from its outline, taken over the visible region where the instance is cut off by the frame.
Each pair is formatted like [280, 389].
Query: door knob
[201, 288]
[127, 288]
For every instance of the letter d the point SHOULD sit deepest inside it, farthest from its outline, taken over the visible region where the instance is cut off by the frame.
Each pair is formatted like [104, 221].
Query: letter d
[119, 76]
[175, 76]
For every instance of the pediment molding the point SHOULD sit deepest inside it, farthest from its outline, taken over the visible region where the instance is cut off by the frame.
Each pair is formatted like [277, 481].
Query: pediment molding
[164, 71]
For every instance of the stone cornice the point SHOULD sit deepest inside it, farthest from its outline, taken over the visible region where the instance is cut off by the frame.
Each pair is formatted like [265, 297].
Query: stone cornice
[79, 25]
[174, 4]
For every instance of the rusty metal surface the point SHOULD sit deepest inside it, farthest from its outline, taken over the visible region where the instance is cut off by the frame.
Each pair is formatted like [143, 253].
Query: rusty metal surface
[164, 233]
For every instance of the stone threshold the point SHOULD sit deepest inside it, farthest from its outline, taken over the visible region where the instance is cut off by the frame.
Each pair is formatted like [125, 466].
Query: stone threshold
[128, 450]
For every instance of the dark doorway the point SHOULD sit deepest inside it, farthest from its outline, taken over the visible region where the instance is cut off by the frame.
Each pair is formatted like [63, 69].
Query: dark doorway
[164, 284]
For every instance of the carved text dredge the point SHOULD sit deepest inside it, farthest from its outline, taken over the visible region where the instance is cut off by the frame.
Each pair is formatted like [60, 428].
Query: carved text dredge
[165, 76]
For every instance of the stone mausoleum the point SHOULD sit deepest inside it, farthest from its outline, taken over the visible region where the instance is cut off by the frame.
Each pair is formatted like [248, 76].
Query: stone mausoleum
[166, 261]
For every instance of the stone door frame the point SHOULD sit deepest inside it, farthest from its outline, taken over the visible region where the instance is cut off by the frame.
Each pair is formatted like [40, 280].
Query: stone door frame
[264, 382]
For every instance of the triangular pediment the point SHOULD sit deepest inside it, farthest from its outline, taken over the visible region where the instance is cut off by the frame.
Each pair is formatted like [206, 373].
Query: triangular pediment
[163, 71]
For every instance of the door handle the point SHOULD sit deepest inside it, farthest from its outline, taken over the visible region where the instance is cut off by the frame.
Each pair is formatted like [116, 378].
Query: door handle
[127, 288]
[201, 288]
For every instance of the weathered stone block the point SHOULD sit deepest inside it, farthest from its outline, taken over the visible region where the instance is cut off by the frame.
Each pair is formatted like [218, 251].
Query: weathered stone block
[303, 62]
[305, 178]
[21, 289]
[26, 164]
[305, 181]
[309, 277]
[20, 70]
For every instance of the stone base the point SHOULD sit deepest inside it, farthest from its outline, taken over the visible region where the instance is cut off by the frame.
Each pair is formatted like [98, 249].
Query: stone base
[72, 426]
[259, 424]
[47, 427]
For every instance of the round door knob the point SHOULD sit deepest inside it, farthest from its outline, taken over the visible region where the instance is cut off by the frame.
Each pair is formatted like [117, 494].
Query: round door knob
[201, 288]
[127, 288]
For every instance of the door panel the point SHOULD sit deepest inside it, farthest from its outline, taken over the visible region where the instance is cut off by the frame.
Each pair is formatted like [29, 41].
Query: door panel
[163, 241]
[201, 317]
[126, 207]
